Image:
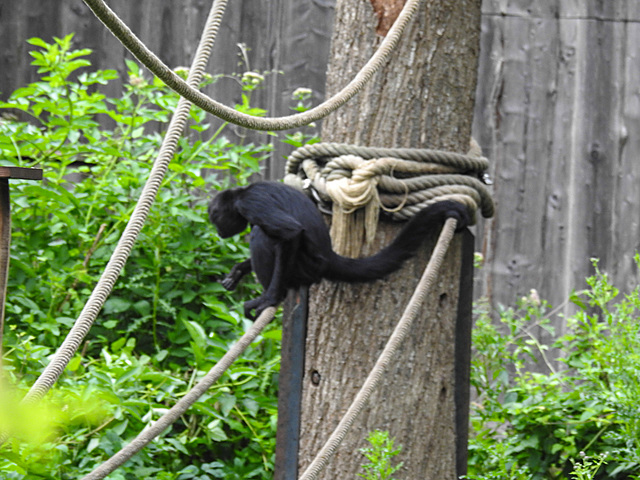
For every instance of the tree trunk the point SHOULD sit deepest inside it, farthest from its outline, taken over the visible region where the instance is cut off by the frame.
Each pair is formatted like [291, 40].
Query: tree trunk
[423, 98]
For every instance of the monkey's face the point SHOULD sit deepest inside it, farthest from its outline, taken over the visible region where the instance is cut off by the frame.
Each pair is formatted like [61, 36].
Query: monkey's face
[224, 215]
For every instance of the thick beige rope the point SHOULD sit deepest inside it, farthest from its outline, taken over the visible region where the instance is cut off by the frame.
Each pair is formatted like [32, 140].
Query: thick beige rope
[388, 354]
[359, 182]
[159, 426]
[153, 63]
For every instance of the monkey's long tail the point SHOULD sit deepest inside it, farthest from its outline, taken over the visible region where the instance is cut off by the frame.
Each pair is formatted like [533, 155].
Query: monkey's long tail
[391, 258]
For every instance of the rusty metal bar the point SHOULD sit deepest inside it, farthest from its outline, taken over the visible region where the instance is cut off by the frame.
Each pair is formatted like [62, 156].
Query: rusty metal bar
[21, 173]
[5, 243]
[5, 228]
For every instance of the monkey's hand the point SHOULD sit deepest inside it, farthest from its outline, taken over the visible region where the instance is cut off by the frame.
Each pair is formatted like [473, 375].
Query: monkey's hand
[232, 279]
[239, 270]
[458, 211]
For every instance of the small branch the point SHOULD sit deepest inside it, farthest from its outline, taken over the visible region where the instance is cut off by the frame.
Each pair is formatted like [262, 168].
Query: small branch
[97, 429]
[94, 246]
[85, 263]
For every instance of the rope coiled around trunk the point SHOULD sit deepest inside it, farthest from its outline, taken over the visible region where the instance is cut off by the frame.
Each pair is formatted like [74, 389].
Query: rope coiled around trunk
[359, 181]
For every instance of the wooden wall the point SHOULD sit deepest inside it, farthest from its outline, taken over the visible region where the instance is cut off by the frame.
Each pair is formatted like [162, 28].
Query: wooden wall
[557, 111]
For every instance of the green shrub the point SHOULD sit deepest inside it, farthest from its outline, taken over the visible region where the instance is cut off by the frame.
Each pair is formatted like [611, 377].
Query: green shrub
[528, 425]
[168, 320]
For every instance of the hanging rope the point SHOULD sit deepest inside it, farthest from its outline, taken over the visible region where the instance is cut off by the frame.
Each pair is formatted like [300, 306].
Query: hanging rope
[122, 251]
[146, 436]
[387, 356]
[360, 181]
[153, 63]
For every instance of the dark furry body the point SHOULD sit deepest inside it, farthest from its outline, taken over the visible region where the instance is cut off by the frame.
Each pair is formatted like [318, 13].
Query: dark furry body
[290, 243]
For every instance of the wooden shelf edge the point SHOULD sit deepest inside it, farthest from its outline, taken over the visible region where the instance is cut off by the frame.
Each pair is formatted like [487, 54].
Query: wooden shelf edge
[21, 173]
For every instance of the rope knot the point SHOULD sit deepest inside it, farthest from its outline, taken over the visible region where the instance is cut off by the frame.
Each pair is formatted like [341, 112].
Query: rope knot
[352, 184]
[361, 181]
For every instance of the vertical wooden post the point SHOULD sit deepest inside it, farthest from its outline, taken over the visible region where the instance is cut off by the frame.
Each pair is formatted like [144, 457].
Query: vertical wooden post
[5, 229]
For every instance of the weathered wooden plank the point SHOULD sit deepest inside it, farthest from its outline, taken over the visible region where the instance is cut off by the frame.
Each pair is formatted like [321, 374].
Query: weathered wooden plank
[21, 173]
[301, 51]
[620, 10]
[627, 194]
[512, 122]
[557, 111]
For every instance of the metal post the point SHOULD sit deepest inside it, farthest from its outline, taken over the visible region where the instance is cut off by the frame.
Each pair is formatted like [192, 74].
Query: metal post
[294, 333]
[464, 323]
[5, 243]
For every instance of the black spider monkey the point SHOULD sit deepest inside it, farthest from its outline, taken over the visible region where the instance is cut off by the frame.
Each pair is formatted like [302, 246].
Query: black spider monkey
[290, 243]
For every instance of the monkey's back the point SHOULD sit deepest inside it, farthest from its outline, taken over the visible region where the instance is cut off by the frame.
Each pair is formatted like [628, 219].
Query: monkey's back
[308, 253]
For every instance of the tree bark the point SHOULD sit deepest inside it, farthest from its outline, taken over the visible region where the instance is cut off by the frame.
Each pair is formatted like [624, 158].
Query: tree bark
[423, 98]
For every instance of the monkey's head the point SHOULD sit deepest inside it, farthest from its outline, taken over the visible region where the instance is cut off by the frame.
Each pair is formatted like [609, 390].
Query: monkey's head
[224, 214]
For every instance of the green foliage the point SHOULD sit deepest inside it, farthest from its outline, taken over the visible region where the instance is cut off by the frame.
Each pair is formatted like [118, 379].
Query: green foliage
[587, 467]
[380, 457]
[167, 321]
[302, 96]
[529, 425]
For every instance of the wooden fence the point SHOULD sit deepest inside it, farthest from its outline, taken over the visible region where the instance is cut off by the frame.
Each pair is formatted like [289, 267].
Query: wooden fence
[557, 112]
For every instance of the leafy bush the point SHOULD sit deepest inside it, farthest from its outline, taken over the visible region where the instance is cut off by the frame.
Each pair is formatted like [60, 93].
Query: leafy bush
[528, 425]
[168, 320]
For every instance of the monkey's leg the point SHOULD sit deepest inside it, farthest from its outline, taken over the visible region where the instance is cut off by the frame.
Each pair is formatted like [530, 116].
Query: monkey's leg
[275, 291]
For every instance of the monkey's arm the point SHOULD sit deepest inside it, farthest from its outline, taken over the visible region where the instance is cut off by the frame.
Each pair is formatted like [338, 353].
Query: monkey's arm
[239, 270]
[263, 211]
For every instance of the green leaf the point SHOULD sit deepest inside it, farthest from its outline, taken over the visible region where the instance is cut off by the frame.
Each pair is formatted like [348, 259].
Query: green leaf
[93, 443]
[118, 344]
[196, 332]
[116, 305]
[273, 335]
[215, 431]
[75, 363]
[251, 405]
[38, 42]
[227, 402]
